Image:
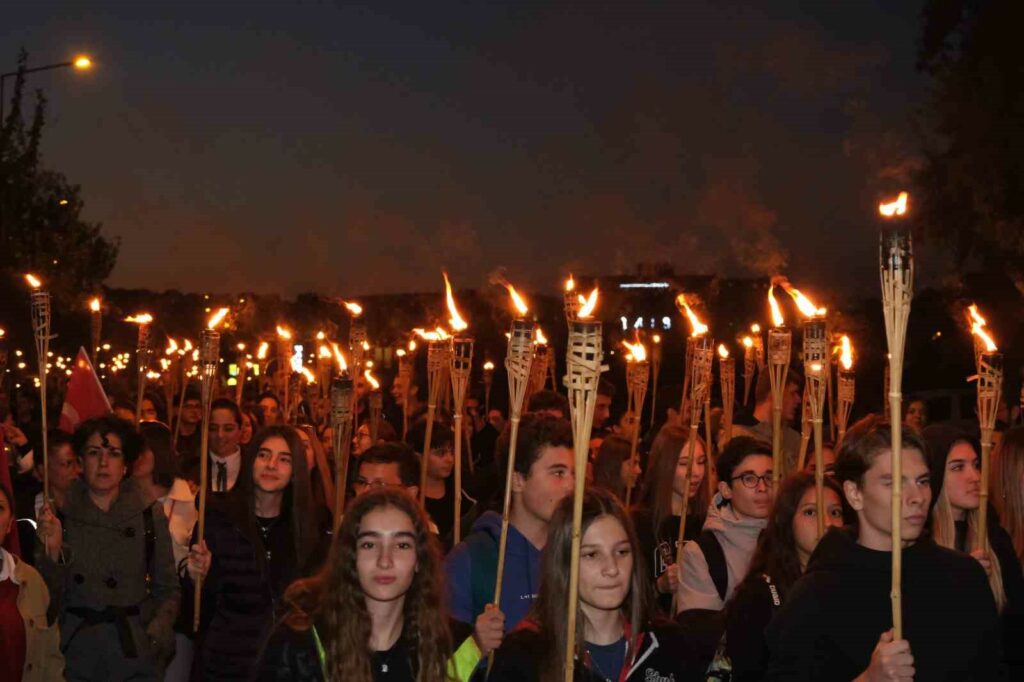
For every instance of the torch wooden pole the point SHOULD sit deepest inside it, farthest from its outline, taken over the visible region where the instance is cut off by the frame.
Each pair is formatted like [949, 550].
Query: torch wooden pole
[779, 350]
[459, 368]
[897, 276]
[805, 429]
[40, 307]
[990, 387]
[700, 380]
[583, 369]
[518, 360]
[817, 366]
[655, 374]
[341, 440]
[727, 379]
[142, 362]
[209, 356]
[437, 358]
[845, 396]
[637, 374]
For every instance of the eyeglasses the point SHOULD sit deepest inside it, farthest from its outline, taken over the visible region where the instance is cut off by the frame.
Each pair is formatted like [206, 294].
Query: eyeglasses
[750, 480]
[376, 483]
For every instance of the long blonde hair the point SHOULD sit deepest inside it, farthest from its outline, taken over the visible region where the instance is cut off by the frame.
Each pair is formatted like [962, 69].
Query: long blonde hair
[944, 534]
[659, 479]
[1007, 480]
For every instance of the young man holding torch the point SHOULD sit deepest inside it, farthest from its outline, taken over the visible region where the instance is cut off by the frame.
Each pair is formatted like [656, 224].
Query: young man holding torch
[837, 622]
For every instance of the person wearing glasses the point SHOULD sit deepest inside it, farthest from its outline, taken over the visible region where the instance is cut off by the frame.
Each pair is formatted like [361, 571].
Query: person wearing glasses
[388, 465]
[718, 560]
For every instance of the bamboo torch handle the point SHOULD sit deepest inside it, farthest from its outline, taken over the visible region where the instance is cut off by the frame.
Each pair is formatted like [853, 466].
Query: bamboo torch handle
[896, 595]
[204, 483]
[986, 455]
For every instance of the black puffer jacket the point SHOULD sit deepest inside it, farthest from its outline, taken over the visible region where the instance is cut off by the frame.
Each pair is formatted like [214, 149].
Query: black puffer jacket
[241, 595]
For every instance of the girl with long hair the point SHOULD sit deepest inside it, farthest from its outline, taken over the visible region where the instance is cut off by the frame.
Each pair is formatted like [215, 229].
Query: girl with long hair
[375, 610]
[251, 553]
[956, 484]
[617, 637]
[785, 546]
[656, 516]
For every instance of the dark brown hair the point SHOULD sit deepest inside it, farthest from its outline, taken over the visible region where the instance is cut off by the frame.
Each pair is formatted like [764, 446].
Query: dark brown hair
[867, 439]
[335, 597]
[548, 614]
[613, 452]
[656, 493]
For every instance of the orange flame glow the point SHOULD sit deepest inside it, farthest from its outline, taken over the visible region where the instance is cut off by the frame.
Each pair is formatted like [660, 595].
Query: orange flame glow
[455, 321]
[846, 354]
[437, 335]
[306, 372]
[353, 308]
[894, 208]
[320, 336]
[366, 345]
[748, 342]
[656, 338]
[587, 305]
[979, 331]
[261, 352]
[755, 328]
[374, 384]
[400, 352]
[283, 333]
[94, 304]
[697, 328]
[517, 300]
[412, 345]
[777, 318]
[804, 304]
[539, 338]
[339, 357]
[488, 366]
[570, 284]
[723, 352]
[637, 351]
[140, 318]
[172, 346]
[216, 318]
[974, 316]
[325, 351]
[33, 281]
[188, 346]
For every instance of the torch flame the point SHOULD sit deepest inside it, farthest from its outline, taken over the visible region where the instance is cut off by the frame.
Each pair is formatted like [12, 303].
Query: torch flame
[283, 332]
[636, 351]
[777, 318]
[894, 208]
[656, 338]
[172, 346]
[455, 321]
[723, 352]
[437, 335]
[217, 318]
[305, 371]
[94, 304]
[697, 328]
[570, 283]
[365, 345]
[33, 281]
[261, 352]
[588, 305]
[539, 338]
[374, 384]
[488, 366]
[412, 345]
[353, 308]
[400, 352]
[990, 345]
[339, 357]
[517, 300]
[188, 346]
[755, 328]
[846, 354]
[141, 318]
[324, 352]
[806, 306]
[320, 336]
[748, 342]
[974, 316]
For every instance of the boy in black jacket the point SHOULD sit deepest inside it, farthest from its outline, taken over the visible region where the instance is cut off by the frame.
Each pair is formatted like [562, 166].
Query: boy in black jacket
[837, 625]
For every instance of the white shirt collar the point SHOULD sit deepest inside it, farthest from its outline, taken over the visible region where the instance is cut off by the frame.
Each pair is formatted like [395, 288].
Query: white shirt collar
[7, 565]
[233, 463]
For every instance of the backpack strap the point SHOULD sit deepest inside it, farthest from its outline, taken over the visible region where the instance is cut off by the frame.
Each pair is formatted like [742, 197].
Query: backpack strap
[715, 558]
[483, 561]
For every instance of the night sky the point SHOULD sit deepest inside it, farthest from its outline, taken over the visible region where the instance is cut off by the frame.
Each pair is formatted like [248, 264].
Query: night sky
[353, 149]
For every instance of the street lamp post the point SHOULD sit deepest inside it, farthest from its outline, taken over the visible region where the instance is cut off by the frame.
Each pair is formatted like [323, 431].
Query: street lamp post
[80, 63]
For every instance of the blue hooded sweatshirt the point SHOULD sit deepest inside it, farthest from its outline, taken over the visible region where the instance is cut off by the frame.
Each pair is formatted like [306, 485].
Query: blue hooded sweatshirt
[471, 570]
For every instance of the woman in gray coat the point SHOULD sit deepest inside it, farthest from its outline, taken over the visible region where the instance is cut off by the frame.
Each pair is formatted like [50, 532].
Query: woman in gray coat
[106, 557]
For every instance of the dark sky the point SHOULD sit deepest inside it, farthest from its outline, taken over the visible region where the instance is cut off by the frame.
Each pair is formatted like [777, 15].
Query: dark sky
[351, 149]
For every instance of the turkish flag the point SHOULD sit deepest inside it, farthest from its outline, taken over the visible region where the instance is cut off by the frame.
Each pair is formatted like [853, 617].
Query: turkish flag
[85, 398]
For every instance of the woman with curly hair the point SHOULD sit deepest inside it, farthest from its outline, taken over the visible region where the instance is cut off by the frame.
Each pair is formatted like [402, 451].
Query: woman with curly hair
[374, 612]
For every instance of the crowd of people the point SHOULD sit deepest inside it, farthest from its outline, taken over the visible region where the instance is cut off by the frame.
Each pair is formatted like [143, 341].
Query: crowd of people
[107, 578]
